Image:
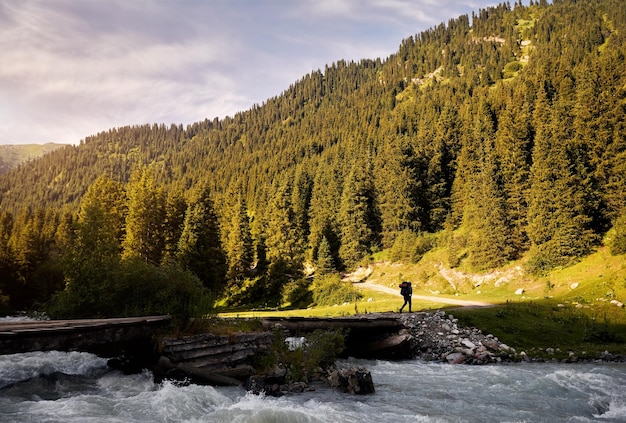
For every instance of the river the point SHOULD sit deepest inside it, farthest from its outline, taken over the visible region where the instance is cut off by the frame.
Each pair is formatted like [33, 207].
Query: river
[79, 387]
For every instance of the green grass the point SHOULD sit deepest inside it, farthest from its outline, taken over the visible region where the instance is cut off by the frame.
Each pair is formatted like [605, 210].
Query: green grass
[535, 326]
[13, 155]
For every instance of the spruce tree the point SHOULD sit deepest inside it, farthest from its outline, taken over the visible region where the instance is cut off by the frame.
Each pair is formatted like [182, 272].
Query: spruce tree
[513, 141]
[485, 216]
[175, 210]
[399, 189]
[239, 245]
[358, 219]
[440, 169]
[200, 248]
[325, 262]
[557, 224]
[93, 249]
[145, 221]
[284, 237]
[325, 200]
[101, 220]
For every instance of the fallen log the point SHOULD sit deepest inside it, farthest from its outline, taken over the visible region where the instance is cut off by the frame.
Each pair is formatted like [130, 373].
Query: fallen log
[203, 377]
[166, 369]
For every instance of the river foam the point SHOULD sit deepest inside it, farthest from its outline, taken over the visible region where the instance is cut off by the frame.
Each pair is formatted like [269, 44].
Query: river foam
[78, 387]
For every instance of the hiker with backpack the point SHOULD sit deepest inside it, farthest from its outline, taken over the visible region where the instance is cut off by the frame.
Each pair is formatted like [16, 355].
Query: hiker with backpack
[406, 291]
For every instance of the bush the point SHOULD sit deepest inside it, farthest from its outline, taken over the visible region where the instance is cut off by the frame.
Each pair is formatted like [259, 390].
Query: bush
[511, 68]
[134, 288]
[319, 350]
[618, 241]
[329, 290]
[410, 247]
[297, 293]
[249, 292]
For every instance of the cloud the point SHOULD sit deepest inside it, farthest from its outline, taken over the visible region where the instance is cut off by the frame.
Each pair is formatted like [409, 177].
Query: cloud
[57, 66]
[71, 68]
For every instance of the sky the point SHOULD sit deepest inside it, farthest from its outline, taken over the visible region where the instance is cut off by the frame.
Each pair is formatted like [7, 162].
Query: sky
[72, 68]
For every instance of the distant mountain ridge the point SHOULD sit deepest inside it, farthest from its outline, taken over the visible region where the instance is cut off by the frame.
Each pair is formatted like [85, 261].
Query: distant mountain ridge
[13, 155]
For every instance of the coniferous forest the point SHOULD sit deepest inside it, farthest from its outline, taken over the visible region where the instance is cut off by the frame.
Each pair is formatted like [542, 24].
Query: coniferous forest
[497, 135]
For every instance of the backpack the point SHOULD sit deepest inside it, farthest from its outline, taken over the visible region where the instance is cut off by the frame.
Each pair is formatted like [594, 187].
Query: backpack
[404, 288]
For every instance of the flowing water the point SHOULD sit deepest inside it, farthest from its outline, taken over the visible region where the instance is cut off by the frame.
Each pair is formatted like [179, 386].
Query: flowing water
[78, 387]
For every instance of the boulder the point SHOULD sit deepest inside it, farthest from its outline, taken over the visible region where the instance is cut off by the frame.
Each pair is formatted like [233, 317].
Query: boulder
[352, 380]
[258, 384]
[455, 358]
[469, 344]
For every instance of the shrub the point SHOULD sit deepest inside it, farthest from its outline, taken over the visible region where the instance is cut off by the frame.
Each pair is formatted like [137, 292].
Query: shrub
[319, 350]
[511, 68]
[618, 242]
[297, 293]
[329, 290]
[410, 247]
[134, 288]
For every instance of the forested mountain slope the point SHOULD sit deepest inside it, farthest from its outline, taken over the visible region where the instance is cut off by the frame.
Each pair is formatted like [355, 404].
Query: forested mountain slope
[505, 128]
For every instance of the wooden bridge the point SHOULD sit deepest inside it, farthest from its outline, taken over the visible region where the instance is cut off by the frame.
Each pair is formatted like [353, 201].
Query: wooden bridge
[105, 337]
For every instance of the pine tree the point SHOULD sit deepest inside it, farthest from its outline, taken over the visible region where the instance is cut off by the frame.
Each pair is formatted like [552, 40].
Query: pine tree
[325, 262]
[358, 220]
[239, 246]
[145, 233]
[325, 200]
[200, 248]
[557, 225]
[175, 210]
[484, 216]
[399, 188]
[284, 238]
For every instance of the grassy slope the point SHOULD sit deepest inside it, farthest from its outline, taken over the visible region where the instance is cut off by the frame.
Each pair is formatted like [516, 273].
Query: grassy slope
[567, 310]
[13, 155]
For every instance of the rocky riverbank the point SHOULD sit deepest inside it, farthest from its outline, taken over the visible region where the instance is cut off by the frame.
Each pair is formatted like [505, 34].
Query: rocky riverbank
[438, 337]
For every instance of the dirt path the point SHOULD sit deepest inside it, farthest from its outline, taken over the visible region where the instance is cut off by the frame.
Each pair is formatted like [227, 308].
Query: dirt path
[432, 298]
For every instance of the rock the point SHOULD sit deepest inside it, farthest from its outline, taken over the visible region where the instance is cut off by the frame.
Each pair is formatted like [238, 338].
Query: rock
[255, 384]
[506, 348]
[455, 358]
[519, 291]
[491, 344]
[267, 385]
[469, 344]
[574, 285]
[201, 376]
[606, 356]
[352, 380]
